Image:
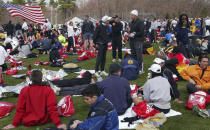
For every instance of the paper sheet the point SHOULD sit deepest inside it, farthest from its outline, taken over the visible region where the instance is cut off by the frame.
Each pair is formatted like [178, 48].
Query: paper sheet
[130, 113]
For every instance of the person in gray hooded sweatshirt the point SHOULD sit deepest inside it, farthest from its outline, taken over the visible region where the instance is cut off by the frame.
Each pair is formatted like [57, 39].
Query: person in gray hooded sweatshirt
[157, 90]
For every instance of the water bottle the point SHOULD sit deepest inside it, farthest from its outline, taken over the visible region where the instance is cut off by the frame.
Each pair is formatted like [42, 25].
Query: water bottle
[155, 123]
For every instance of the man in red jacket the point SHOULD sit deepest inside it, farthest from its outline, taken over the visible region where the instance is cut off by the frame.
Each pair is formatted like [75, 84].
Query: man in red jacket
[37, 105]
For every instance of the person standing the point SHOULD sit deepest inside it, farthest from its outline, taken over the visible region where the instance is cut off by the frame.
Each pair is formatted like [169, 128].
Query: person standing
[154, 27]
[18, 30]
[137, 39]
[87, 31]
[182, 30]
[101, 39]
[10, 28]
[116, 38]
[3, 58]
[207, 23]
[71, 42]
[24, 26]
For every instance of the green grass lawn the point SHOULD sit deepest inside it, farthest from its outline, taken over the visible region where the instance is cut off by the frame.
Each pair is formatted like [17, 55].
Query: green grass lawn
[187, 121]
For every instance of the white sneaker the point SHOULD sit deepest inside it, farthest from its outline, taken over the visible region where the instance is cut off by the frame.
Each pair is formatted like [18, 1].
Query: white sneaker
[141, 72]
[97, 74]
[119, 60]
[104, 73]
[114, 60]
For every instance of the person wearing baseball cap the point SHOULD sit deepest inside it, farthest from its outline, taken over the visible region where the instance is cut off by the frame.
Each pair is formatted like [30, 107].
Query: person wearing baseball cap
[157, 90]
[170, 76]
[116, 89]
[136, 36]
[101, 39]
[117, 27]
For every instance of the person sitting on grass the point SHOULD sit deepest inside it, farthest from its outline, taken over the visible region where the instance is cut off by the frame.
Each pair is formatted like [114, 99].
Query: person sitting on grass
[198, 75]
[116, 89]
[37, 105]
[169, 75]
[56, 44]
[156, 91]
[102, 114]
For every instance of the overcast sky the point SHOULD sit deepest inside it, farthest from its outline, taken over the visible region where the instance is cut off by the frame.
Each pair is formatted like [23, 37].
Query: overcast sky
[78, 2]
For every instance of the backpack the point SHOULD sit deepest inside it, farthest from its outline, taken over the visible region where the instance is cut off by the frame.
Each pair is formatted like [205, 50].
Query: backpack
[66, 107]
[11, 71]
[198, 98]
[5, 108]
[144, 110]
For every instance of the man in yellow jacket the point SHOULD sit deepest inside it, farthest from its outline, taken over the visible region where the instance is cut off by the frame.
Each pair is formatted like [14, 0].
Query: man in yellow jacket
[198, 75]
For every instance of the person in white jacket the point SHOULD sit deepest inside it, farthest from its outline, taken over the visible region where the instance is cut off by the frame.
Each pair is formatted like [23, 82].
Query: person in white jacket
[71, 34]
[25, 26]
[3, 58]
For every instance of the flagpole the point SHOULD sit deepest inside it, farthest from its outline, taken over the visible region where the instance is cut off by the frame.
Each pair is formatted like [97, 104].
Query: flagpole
[51, 14]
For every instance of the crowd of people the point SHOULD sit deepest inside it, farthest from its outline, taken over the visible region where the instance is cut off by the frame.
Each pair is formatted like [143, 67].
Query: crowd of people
[112, 96]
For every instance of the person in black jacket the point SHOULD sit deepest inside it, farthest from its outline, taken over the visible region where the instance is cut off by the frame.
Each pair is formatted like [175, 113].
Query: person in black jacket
[116, 38]
[101, 39]
[137, 39]
[10, 29]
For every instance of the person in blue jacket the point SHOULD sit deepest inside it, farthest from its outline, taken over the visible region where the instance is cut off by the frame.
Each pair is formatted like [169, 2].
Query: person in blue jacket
[102, 114]
[56, 44]
[116, 89]
[182, 31]
[130, 68]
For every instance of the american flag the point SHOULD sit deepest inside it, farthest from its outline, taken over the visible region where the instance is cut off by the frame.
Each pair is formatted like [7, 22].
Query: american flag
[31, 13]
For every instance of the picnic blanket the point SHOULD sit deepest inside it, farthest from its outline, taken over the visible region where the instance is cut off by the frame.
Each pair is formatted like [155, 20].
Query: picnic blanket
[48, 75]
[130, 113]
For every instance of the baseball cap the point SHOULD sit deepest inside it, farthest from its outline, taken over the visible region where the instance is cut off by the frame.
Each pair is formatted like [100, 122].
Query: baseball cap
[135, 12]
[158, 60]
[155, 68]
[105, 18]
[115, 16]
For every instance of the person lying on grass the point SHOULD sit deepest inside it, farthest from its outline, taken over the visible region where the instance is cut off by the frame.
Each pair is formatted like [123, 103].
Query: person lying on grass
[198, 75]
[37, 105]
[102, 114]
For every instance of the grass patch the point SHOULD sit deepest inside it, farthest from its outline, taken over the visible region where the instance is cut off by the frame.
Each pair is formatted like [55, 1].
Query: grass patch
[187, 121]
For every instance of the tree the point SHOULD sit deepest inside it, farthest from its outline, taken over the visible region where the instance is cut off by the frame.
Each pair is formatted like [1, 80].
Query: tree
[66, 6]
[18, 2]
[204, 12]
[42, 4]
[53, 3]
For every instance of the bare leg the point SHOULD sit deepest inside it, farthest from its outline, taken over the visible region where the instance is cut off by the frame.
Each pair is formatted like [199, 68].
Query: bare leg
[91, 45]
[85, 44]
